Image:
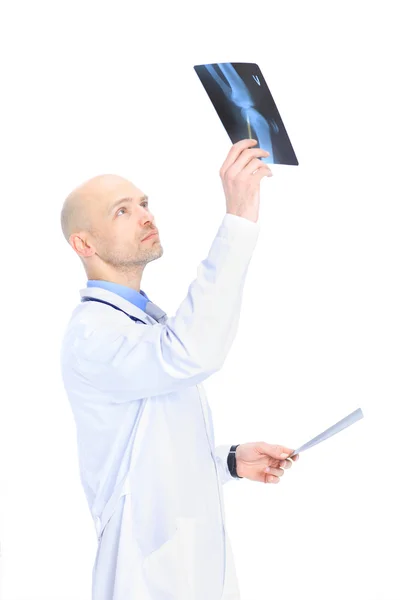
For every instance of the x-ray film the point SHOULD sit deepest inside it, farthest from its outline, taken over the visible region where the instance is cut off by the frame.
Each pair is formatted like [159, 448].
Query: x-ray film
[346, 422]
[246, 108]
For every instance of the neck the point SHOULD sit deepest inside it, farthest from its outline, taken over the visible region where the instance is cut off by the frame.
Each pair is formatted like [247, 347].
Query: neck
[131, 279]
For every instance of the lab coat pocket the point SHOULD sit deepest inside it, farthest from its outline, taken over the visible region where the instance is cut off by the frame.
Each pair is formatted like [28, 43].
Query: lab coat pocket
[171, 568]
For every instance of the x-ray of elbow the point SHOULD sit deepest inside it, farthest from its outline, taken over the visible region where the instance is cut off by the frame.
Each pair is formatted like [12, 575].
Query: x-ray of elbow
[246, 108]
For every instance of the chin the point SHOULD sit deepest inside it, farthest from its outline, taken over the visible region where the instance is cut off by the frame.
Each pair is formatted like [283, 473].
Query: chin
[157, 253]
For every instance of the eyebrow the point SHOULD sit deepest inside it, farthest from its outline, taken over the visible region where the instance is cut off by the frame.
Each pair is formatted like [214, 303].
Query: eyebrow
[144, 198]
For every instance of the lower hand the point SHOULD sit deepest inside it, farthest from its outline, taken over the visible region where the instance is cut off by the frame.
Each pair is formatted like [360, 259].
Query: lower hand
[263, 462]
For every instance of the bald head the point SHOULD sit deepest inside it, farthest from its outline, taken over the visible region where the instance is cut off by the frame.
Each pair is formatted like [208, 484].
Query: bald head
[106, 220]
[84, 204]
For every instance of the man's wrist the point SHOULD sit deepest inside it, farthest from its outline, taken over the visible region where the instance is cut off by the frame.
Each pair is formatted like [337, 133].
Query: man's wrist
[232, 466]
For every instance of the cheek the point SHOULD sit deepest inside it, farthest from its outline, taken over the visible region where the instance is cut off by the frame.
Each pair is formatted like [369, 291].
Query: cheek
[124, 236]
[132, 239]
[124, 231]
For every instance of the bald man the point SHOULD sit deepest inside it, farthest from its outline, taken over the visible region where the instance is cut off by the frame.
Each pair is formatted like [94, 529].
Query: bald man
[112, 248]
[149, 466]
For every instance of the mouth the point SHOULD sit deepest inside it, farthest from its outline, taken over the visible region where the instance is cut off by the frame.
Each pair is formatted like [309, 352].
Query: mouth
[150, 236]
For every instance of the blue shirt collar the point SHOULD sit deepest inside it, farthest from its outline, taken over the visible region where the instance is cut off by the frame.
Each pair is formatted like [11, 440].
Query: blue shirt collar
[139, 299]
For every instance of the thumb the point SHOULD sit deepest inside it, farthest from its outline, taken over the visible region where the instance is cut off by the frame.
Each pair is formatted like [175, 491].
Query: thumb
[278, 452]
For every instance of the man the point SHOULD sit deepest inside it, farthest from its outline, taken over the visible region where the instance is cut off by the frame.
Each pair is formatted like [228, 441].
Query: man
[149, 467]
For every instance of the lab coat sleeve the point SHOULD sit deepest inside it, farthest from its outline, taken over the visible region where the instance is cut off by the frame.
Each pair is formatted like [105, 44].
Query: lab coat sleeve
[221, 457]
[131, 360]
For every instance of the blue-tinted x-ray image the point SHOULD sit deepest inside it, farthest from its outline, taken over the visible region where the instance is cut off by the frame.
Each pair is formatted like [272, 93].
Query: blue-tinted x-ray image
[246, 108]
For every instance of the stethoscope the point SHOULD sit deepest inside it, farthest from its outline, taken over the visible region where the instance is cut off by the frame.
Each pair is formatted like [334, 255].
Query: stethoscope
[87, 298]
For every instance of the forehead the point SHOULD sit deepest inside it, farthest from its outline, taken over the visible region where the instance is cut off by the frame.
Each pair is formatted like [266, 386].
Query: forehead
[111, 190]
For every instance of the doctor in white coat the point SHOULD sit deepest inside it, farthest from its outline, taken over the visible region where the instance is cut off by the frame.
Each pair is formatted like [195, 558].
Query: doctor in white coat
[147, 457]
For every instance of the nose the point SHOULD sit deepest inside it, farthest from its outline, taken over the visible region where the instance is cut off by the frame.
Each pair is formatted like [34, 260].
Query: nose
[146, 217]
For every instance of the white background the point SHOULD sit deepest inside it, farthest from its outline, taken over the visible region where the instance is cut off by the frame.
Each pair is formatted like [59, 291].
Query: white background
[96, 87]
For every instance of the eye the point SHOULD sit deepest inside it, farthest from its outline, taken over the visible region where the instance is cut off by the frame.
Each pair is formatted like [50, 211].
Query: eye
[120, 210]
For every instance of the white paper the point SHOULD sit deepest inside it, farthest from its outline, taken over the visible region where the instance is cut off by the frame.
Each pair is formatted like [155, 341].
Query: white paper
[346, 422]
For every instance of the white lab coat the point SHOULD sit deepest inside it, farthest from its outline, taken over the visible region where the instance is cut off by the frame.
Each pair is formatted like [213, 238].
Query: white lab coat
[148, 463]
